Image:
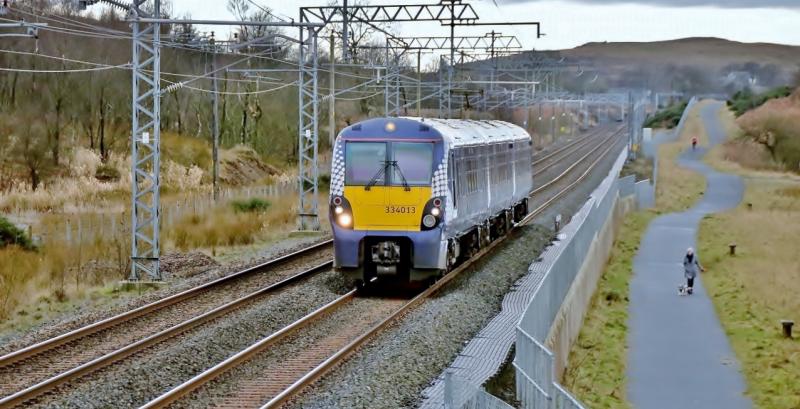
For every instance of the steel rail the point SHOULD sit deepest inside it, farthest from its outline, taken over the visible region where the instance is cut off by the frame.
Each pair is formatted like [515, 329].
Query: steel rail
[559, 156]
[340, 355]
[49, 384]
[578, 141]
[574, 165]
[321, 369]
[95, 327]
[117, 355]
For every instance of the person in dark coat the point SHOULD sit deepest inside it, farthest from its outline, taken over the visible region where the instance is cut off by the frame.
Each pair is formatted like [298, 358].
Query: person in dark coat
[691, 266]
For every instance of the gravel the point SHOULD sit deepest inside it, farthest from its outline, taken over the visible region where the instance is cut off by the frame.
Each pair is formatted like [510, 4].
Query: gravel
[258, 376]
[395, 367]
[389, 372]
[95, 310]
[137, 380]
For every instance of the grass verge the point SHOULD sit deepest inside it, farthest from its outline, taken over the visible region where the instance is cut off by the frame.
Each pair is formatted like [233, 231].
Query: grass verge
[596, 373]
[679, 188]
[758, 287]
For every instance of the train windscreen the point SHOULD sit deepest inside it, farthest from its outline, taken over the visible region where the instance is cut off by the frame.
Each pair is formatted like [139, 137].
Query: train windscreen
[414, 162]
[364, 161]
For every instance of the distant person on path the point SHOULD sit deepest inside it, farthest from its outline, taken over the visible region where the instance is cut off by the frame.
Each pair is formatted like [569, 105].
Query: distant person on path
[694, 144]
[691, 266]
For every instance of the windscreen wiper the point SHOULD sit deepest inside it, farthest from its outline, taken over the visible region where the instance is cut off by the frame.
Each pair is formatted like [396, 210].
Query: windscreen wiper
[402, 177]
[381, 172]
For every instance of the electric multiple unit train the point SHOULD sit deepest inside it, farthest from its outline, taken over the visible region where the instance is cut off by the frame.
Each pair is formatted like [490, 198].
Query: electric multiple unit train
[412, 197]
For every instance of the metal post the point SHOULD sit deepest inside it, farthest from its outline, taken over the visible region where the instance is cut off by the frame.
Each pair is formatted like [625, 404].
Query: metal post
[332, 96]
[308, 127]
[215, 119]
[345, 33]
[452, 60]
[419, 83]
[386, 80]
[442, 90]
[145, 154]
[448, 390]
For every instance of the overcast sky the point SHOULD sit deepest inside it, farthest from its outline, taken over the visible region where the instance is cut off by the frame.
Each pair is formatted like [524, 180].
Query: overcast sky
[571, 23]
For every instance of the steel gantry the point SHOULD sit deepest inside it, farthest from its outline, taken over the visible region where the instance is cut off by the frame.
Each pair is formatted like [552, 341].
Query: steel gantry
[146, 118]
[308, 131]
[308, 126]
[145, 144]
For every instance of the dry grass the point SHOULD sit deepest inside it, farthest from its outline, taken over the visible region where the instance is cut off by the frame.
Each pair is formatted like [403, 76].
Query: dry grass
[759, 286]
[741, 153]
[224, 226]
[59, 272]
[776, 127]
[78, 186]
[679, 188]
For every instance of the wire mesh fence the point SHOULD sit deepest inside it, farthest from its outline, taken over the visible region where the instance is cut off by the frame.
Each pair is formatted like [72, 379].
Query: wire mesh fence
[461, 394]
[534, 362]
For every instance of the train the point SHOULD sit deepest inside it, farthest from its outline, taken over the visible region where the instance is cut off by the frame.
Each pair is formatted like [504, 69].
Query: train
[411, 198]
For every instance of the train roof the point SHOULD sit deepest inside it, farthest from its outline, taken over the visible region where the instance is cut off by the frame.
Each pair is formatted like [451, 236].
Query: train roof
[455, 132]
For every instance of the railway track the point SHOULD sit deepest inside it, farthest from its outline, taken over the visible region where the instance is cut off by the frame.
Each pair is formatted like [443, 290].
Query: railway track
[330, 334]
[38, 369]
[550, 159]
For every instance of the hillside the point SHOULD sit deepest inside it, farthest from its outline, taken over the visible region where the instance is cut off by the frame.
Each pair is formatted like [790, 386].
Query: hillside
[691, 64]
[708, 52]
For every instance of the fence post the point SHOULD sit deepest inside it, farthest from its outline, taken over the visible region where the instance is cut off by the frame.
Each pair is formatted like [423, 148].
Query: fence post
[68, 232]
[448, 390]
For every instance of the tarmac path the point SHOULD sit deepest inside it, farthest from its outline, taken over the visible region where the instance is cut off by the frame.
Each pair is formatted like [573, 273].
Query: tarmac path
[678, 354]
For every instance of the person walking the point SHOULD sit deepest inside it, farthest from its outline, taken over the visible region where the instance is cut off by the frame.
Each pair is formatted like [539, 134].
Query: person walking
[691, 266]
[694, 142]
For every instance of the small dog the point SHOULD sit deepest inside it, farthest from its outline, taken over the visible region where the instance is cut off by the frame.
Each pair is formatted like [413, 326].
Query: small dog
[684, 290]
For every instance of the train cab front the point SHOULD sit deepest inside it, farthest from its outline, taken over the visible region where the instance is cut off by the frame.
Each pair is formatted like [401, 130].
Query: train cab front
[387, 223]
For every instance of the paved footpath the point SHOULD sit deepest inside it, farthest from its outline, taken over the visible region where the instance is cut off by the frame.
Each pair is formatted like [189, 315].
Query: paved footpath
[678, 354]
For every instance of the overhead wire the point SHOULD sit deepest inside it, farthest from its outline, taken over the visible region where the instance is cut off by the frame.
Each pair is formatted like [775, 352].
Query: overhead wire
[107, 33]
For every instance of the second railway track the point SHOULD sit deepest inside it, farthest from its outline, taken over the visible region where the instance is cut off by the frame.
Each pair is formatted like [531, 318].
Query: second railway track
[45, 368]
[313, 345]
[52, 363]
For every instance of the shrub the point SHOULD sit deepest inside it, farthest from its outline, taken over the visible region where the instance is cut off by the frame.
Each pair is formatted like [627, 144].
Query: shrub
[107, 173]
[668, 117]
[252, 205]
[13, 235]
[324, 182]
[84, 162]
[746, 100]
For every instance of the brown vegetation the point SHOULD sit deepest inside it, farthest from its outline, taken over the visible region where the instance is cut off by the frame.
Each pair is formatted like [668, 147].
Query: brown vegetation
[776, 127]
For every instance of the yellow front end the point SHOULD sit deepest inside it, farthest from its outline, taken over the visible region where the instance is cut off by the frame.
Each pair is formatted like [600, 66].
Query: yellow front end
[387, 208]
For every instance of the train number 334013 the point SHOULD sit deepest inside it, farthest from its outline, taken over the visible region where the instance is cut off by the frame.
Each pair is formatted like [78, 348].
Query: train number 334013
[400, 209]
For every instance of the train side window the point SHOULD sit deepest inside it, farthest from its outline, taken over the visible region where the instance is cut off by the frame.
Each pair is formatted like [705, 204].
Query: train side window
[452, 169]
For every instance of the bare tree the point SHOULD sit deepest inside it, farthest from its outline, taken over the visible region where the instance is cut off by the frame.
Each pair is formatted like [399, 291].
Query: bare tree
[31, 150]
[360, 33]
[271, 44]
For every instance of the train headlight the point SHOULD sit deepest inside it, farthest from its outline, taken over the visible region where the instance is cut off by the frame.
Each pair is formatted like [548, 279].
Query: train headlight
[436, 212]
[429, 221]
[338, 210]
[344, 220]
